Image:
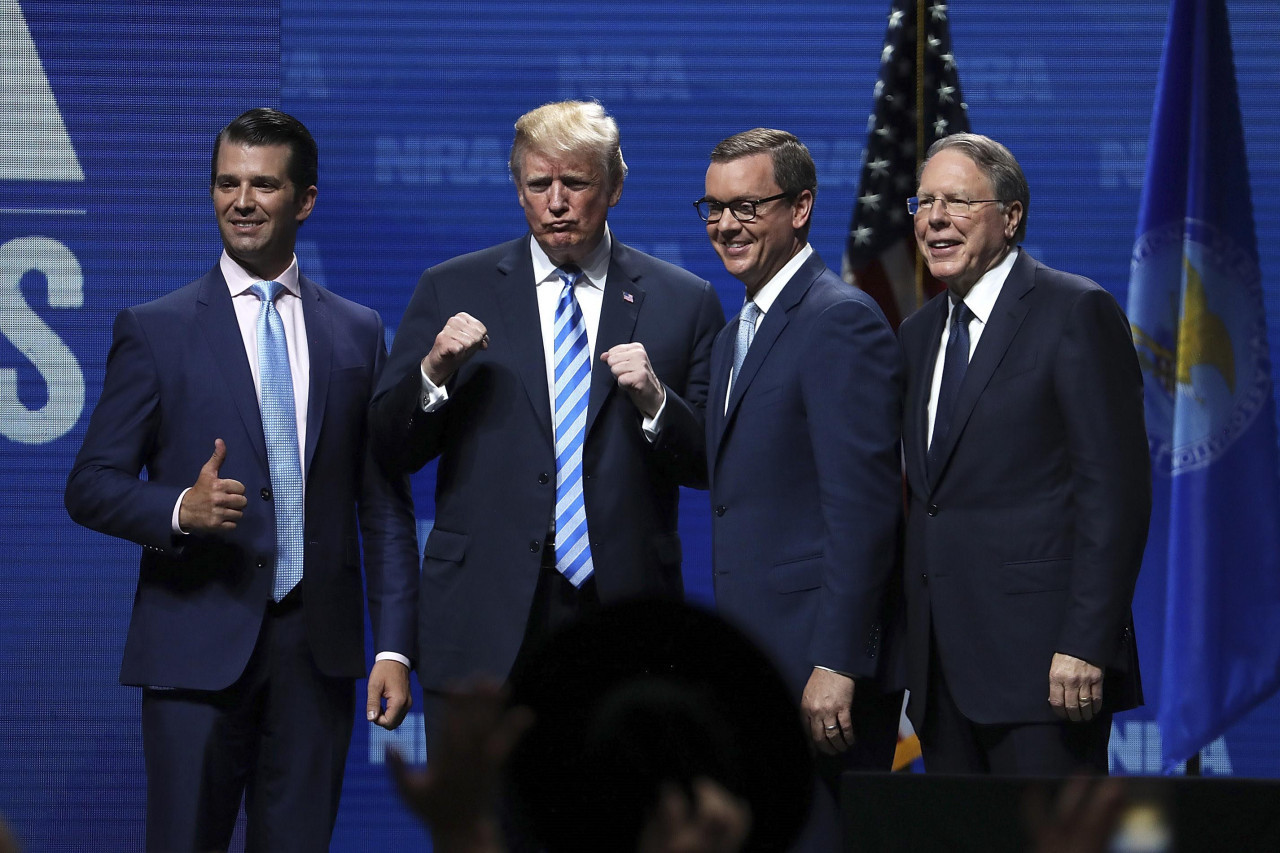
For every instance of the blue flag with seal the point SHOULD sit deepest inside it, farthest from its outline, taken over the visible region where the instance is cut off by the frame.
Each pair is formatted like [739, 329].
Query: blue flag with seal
[1195, 304]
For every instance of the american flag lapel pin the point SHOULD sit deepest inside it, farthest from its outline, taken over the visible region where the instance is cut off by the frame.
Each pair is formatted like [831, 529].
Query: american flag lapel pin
[627, 297]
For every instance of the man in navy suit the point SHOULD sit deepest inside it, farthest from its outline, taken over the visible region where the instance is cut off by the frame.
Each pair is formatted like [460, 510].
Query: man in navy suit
[472, 381]
[248, 669]
[1030, 487]
[806, 484]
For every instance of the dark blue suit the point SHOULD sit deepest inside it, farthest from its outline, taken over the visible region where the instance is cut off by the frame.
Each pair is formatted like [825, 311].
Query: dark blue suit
[177, 378]
[806, 492]
[1027, 538]
[496, 479]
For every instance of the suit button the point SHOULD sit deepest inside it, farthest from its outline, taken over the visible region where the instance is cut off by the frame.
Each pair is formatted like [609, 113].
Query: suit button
[932, 510]
[265, 494]
[535, 546]
[544, 478]
[924, 578]
[721, 510]
[262, 564]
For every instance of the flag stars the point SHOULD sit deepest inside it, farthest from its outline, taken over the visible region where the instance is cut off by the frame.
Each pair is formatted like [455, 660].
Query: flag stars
[948, 61]
[870, 200]
[895, 18]
[879, 167]
[886, 54]
[862, 236]
[938, 12]
[945, 94]
[940, 127]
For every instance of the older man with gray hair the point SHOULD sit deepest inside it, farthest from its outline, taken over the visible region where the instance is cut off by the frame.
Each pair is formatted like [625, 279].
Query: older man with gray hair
[1030, 487]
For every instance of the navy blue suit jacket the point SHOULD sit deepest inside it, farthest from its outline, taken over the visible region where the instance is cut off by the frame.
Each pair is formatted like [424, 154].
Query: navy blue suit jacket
[495, 482]
[1028, 539]
[177, 378]
[806, 483]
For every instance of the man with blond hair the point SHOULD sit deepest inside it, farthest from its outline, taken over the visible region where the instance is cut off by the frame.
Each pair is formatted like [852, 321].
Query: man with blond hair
[530, 370]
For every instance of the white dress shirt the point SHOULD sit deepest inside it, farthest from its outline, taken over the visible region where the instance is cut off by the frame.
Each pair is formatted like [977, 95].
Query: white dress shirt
[589, 291]
[981, 299]
[768, 294]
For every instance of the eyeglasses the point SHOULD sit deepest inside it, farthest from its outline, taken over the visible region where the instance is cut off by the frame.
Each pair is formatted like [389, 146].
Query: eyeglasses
[743, 210]
[960, 208]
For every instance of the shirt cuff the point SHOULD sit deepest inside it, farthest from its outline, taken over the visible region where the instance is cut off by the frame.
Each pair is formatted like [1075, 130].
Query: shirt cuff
[177, 511]
[836, 671]
[398, 658]
[433, 396]
[653, 426]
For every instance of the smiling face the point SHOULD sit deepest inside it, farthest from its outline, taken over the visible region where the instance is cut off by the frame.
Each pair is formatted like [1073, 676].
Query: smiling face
[566, 199]
[258, 208]
[754, 251]
[959, 251]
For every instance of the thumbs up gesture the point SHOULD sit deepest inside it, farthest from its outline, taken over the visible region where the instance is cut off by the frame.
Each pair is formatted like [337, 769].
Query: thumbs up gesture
[212, 503]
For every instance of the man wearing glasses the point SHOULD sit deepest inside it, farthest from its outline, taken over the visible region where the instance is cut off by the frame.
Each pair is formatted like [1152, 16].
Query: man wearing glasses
[530, 370]
[1030, 487]
[802, 446]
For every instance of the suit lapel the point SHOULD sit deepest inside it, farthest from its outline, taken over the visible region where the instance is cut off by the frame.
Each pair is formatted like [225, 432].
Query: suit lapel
[216, 318]
[1006, 318]
[775, 320]
[923, 384]
[517, 298]
[619, 309]
[721, 363]
[315, 314]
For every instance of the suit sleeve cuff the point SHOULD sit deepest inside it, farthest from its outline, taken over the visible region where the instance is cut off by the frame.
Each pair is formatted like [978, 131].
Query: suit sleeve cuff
[433, 396]
[177, 510]
[653, 426]
[398, 658]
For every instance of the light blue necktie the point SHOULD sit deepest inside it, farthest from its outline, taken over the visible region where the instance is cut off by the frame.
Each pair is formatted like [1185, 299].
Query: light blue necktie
[573, 386]
[280, 428]
[746, 333]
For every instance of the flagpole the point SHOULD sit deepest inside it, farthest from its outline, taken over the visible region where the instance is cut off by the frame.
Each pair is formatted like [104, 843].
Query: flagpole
[920, 119]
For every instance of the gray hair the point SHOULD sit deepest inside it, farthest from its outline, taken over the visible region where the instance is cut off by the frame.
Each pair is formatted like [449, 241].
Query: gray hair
[997, 163]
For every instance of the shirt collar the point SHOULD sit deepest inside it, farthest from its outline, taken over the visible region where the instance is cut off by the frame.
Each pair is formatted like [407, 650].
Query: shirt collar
[240, 279]
[981, 298]
[595, 266]
[766, 295]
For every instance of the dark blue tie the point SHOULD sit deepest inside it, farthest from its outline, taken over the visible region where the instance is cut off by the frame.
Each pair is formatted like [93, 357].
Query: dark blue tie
[280, 428]
[954, 365]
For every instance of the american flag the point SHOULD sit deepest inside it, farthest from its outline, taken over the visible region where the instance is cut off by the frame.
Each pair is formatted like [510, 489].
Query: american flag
[880, 255]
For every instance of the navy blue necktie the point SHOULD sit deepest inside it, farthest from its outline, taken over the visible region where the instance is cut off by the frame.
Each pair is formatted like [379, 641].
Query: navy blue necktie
[280, 429]
[954, 365]
[573, 390]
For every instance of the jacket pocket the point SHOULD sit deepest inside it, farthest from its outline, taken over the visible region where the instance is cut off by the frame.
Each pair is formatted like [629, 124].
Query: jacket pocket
[1025, 576]
[446, 545]
[796, 575]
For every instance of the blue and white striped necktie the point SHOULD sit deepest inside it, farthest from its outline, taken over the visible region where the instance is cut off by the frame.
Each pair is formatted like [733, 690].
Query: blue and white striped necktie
[573, 387]
[280, 429]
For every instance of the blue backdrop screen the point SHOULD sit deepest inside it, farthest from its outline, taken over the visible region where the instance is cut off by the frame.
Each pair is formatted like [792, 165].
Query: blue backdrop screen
[107, 117]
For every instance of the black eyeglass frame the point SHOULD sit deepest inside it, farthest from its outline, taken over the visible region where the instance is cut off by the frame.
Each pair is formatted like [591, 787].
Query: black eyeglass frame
[729, 206]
